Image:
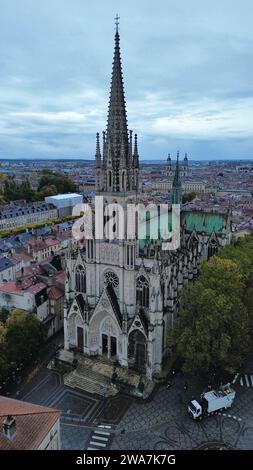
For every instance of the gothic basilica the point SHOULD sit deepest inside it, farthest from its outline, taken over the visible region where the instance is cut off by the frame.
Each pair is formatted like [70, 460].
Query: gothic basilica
[122, 295]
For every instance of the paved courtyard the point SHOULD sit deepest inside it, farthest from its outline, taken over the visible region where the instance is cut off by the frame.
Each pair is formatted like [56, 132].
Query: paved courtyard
[74, 437]
[162, 422]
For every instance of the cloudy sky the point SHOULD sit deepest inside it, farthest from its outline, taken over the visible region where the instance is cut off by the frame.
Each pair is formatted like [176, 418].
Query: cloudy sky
[187, 65]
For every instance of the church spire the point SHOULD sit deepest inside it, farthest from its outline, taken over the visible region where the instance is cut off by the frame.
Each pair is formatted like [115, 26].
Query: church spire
[117, 119]
[176, 193]
[117, 161]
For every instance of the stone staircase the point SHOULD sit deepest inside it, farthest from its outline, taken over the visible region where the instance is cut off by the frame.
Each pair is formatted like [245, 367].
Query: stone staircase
[94, 375]
[86, 379]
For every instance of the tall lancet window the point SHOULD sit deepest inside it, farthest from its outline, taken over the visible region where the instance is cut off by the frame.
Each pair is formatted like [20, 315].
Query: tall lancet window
[109, 179]
[123, 180]
[212, 248]
[142, 292]
[80, 279]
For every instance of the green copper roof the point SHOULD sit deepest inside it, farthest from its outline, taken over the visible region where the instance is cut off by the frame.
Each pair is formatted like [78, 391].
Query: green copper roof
[198, 221]
[203, 222]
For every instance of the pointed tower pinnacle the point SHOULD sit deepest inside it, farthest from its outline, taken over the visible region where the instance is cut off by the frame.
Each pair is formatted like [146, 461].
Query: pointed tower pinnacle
[117, 164]
[176, 193]
[98, 153]
[117, 118]
[135, 154]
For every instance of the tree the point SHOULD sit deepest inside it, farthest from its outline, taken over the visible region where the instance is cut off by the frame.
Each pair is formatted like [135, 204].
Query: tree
[4, 314]
[214, 319]
[188, 197]
[3, 357]
[57, 180]
[49, 190]
[24, 336]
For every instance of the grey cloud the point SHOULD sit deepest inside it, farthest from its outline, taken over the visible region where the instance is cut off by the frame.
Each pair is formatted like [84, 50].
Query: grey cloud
[184, 62]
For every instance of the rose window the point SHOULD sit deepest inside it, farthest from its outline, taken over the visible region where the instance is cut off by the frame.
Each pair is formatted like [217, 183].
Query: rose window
[111, 279]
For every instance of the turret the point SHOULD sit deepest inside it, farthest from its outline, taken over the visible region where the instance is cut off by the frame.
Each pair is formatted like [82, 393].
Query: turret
[135, 154]
[176, 193]
[98, 153]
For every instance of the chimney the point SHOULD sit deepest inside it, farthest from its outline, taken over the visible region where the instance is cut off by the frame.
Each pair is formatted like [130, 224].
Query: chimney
[9, 427]
[18, 282]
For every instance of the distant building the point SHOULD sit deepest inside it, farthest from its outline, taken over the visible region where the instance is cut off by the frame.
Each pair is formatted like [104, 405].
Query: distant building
[6, 269]
[184, 167]
[26, 294]
[187, 187]
[18, 215]
[56, 306]
[41, 248]
[24, 426]
[64, 202]
[88, 186]
[20, 261]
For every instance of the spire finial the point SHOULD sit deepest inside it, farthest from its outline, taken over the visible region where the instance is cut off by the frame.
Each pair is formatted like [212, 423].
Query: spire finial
[117, 23]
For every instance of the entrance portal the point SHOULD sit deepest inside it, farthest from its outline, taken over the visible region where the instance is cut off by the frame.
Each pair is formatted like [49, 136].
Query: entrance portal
[80, 338]
[113, 346]
[137, 348]
[104, 344]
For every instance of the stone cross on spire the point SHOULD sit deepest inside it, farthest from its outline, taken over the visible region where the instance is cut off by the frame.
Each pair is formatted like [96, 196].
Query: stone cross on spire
[117, 18]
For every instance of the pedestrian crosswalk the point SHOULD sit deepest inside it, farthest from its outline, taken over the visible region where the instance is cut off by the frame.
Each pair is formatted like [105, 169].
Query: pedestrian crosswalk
[100, 437]
[246, 380]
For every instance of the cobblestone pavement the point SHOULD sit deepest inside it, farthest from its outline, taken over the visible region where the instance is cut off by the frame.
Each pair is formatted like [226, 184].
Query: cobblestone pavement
[48, 389]
[74, 437]
[163, 422]
[82, 412]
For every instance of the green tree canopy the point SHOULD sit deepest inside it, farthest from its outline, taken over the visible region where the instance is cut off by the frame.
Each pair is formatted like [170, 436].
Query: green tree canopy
[188, 197]
[214, 328]
[57, 180]
[50, 184]
[24, 336]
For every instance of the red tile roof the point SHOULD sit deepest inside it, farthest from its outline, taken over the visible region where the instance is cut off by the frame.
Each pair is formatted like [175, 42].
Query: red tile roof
[60, 277]
[17, 257]
[12, 288]
[43, 244]
[33, 422]
[55, 293]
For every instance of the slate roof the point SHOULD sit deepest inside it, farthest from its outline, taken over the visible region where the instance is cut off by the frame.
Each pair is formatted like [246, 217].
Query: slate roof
[17, 211]
[5, 263]
[114, 303]
[81, 302]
